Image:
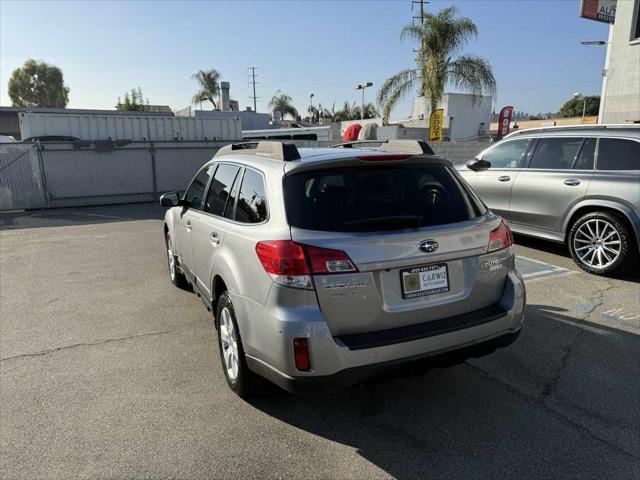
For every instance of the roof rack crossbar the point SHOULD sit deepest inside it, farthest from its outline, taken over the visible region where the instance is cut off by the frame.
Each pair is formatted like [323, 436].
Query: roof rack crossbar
[415, 147]
[265, 148]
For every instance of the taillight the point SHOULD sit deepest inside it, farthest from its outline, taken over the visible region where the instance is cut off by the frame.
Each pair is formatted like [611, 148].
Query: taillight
[291, 264]
[500, 238]
[301, 354]
[285, 262]
[327, 260]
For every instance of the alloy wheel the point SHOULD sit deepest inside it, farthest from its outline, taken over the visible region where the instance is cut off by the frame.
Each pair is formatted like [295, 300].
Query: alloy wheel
[229, 344]
[597, 243]
[172, 259]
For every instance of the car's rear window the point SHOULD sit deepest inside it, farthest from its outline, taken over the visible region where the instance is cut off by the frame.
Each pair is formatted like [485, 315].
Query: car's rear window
[374, 198]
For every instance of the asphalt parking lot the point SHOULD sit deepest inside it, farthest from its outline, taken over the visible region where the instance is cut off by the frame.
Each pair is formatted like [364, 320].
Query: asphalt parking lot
[108, 371]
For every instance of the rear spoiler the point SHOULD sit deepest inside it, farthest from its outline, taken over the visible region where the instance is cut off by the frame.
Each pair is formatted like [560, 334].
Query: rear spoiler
[414, 147]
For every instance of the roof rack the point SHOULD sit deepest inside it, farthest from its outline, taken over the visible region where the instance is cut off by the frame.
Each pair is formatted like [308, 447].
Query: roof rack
[557, 128]
[415, 147]
[265, 148]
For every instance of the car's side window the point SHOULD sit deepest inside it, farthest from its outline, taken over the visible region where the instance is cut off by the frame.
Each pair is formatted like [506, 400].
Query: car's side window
[252, 200]
[220, 188]
[586, 155]
[508, 154]
[618, 154]
[555, 153]
[230, 210]
[195, 192]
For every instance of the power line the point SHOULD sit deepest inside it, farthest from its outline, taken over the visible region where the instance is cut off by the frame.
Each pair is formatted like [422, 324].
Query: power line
[252, 76]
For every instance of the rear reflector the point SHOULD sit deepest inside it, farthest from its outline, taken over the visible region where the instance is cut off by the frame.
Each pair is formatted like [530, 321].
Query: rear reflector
[327, 260]
[291, 264]
[383, 158]
[500, 238]
[301, 354]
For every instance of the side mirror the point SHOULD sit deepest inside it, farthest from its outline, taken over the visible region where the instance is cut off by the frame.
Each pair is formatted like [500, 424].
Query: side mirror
[478, 165]
[171, 199]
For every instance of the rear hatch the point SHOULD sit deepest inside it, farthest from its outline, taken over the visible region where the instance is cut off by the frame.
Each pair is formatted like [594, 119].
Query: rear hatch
[417, 240]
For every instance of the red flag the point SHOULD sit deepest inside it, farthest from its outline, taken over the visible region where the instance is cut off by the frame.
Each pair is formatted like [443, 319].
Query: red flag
[505, 121]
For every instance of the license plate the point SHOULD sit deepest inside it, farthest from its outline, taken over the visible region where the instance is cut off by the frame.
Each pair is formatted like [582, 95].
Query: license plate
[424, 280]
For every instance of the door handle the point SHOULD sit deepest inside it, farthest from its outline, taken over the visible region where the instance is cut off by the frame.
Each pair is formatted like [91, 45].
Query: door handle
[213, 239]
[188, 225]
[572, 182]
[504, 178]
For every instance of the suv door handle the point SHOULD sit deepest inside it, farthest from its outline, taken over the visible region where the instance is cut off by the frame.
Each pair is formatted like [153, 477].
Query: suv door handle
[572, 182]
[504, 178]
[213, 239]
[188, 225]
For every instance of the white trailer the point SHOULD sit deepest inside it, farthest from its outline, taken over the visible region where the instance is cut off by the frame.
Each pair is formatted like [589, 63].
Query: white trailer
[128, 127]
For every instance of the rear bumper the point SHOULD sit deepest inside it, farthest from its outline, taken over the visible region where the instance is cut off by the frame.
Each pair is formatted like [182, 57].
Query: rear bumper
[393, 368]
[338, 362]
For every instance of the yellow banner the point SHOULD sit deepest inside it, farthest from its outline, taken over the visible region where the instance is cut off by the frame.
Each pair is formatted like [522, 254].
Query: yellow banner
[435, 125]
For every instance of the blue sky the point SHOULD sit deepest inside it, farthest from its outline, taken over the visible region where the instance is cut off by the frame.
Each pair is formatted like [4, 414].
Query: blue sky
[323, 47]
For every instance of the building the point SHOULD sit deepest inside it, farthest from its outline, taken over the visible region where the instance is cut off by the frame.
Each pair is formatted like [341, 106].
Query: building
[620, 96]
[466, 116]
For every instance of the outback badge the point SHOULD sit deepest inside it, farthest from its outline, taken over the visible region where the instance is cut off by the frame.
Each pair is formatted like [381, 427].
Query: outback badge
[428, 246]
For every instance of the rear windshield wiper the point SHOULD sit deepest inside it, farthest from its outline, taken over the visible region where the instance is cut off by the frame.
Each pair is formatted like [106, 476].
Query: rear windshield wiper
[391, 221]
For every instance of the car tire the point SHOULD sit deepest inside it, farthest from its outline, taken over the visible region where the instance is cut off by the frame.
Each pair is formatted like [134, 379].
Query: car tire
[234, 366]
[600, 243]
[176, 276]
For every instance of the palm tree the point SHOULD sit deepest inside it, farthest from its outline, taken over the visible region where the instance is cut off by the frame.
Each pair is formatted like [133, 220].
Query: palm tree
[209, 82]
[283, 103]
[439, 37]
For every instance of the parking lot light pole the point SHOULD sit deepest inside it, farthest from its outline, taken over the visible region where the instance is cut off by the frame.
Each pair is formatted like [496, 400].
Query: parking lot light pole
[362, 86]
[311, 108]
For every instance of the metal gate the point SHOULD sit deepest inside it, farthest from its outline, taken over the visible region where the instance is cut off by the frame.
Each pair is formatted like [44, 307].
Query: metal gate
[65, 174]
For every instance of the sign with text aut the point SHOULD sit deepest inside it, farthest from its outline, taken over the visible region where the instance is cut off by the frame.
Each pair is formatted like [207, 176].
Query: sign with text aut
[599, 10]
[435, 125]
[505, 121]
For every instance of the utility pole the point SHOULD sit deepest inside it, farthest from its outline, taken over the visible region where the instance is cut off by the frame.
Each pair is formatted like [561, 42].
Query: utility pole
[253, 81]
[421, 3]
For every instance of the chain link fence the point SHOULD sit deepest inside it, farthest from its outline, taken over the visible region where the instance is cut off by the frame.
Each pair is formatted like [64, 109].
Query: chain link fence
[65, 174]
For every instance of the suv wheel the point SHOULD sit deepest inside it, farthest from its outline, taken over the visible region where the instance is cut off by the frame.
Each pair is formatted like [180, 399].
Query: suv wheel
[599, 243]
[240, 379]
[177, 278]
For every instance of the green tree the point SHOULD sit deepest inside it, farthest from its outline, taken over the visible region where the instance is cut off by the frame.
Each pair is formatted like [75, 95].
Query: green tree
[133, 101]
[573, 107]
[209, 83]
[38, 84]
[440, 37]
[353, 112]
[283, 103]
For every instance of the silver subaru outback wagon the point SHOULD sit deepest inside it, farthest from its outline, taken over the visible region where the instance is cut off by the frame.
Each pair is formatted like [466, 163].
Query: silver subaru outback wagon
[325, 267]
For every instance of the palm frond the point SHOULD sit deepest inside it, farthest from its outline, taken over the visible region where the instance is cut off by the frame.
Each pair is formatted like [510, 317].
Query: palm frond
[472, 73]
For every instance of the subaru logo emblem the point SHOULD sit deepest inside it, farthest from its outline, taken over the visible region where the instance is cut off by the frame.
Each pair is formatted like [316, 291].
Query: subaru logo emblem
[428, 246]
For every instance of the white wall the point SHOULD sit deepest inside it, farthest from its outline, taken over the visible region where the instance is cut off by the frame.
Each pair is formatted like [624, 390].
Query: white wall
[621, 89]
[468, 112]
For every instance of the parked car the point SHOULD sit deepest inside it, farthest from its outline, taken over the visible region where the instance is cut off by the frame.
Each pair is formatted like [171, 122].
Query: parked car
[574, 185]
[325, 267]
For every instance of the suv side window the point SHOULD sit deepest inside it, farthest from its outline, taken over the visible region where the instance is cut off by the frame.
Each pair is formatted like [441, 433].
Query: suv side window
[586, 155]
[508, 154]
[195, 192]
[220, 188]
[252, 201]
[555, 153]
[618, 154]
